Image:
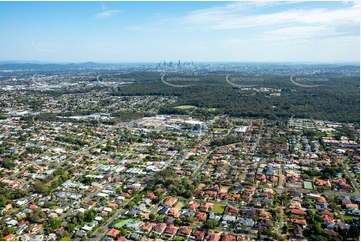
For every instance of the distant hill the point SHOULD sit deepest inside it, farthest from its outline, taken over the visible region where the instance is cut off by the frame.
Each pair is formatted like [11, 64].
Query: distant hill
[47, 66]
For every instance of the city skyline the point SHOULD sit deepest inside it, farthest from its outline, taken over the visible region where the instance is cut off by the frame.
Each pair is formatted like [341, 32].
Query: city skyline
[124, 32]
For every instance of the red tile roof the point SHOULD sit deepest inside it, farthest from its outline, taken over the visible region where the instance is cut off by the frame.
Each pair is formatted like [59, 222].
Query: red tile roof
[150, 195]
[193, 205]
[214, 237]
[9, 237]
[228, 237]
[184, 231]
[113, 233]
[351, 205]
[201, 216]
[33, 206]
[298, 212]
[327, 218]
[199, 235]
[171, 230]
[169, 201]
[160, 227]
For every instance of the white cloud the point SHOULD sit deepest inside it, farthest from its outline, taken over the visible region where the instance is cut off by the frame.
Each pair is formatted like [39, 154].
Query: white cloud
[260, 15]
[237, 16]
[268, 30]
[107, 14]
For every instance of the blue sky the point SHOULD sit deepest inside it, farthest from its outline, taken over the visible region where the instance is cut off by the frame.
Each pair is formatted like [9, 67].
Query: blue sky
[187, 31]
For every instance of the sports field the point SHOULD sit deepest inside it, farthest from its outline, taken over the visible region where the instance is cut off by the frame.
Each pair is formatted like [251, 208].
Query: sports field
[307, 185]
[185, 107]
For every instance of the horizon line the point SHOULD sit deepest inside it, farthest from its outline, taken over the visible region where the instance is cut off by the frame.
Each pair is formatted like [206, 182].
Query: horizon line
[157, 62]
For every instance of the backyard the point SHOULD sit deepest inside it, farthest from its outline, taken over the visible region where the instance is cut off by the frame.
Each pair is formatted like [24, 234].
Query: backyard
[218, 209]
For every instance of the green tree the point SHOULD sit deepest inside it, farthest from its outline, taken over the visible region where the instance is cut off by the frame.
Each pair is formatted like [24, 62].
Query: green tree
[211, 224]
[70, 227]
[55, 223]
[9, 230]
[152, 216]
[189, 220]
[89, 215]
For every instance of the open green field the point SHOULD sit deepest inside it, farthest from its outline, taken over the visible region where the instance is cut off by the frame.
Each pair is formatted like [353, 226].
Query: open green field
[218, 209]
[307, 185]
[122, 223]
[185, 107]
[224, 188]
[66, 239]
[349, 217]
[200, 186]
[212, 109]
[331, 135]
[179, 205]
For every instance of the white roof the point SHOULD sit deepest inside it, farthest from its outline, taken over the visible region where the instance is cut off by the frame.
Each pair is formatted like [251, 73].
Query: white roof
[100, 194]
[59, 210]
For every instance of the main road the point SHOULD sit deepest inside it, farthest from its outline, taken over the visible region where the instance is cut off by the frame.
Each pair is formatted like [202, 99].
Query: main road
[280, 223]
[355, 184]
[102, 230]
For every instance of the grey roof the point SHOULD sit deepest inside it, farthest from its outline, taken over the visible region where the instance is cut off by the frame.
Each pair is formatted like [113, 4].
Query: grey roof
[228, 218]
[246, 221]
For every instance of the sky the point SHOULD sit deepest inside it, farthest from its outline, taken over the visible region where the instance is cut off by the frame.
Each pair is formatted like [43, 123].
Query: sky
[258, 31]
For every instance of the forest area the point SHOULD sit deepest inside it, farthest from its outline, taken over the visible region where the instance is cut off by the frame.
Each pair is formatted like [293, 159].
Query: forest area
[334, 100]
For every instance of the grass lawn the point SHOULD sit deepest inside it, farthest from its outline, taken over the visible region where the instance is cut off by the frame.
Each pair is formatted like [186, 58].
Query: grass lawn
[179, 205]
[122, 223]
[349, 217]
[220, 129]
[66, 239]
[224, 188]
[212, 109]
[200, 186]
[185, 107]
[218, 209]
[49, 182]
[331, 135]
[178, 238]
